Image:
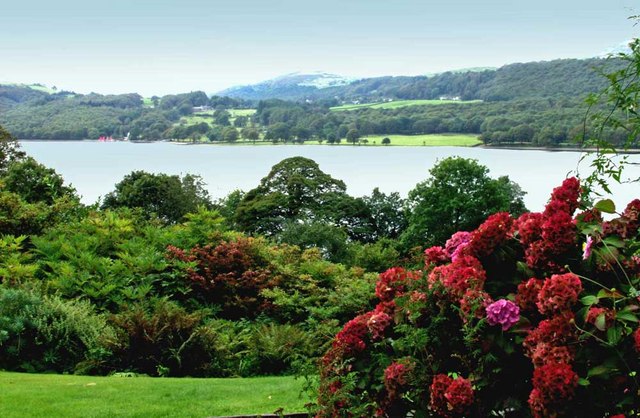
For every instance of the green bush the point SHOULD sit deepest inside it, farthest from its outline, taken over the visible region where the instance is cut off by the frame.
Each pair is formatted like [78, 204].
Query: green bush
[158, 337]
[46, 333]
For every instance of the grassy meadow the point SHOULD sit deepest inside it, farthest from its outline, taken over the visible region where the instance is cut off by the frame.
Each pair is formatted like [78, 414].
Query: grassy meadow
[401, 103]
[48, 395]
[431, 140]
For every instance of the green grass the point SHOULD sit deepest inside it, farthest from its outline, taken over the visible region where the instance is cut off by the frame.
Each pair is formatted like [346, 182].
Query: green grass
[432, 140]
[197, 118]
[402, 103]
[241, 112]
[42, 395]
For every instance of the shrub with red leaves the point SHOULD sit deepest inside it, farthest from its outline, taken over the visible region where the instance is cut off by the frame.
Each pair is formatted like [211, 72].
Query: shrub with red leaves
[231, 275]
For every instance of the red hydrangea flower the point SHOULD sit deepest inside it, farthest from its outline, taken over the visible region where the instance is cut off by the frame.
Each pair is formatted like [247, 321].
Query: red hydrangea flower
[503, 312]
[550, 235]
[529, 226]
[463, 274]
[555, 382]
[392, 283]
[566, 195]
[493, 232]
[435, 255]
[450, 396]
[527, 295]
[559, 293]
[387, 307]
[536, 404]
[350, 340]
[545, 353]
[439, 386]
[377, 324]
[474, 303]
[395, 377]
[556, 331]
[459, 395]
[636, 337]
[632, 215]
[596, 311]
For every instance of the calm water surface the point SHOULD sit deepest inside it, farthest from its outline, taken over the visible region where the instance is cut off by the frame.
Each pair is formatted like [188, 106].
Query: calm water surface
[95, 167]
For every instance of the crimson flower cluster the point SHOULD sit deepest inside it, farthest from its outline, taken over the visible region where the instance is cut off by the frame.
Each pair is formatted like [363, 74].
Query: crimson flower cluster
[396, 377]
[393, 283]
[549, 236]
[553, 385]
[559, 293]
[450, 397]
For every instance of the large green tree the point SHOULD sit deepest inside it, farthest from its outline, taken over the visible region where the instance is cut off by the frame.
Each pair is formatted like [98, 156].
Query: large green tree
[34, 182]
[169, 197]
[297, 190]
[458, 196]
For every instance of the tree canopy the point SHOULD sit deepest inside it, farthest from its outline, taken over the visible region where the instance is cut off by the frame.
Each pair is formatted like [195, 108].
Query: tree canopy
[458, 196]
[294, 189]
[169, 197]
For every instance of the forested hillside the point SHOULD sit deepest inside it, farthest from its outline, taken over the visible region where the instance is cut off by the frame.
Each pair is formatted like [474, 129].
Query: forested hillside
[558, 78]
[539, 103]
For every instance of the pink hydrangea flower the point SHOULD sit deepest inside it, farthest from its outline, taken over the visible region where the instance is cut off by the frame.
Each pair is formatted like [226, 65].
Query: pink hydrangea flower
[587, 248]
[503, 312]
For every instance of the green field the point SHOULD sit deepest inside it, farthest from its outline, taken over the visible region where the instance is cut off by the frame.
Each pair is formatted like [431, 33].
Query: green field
[431, 140]
[43, 395]
[402, 103]
[241, 112]
[196, 118]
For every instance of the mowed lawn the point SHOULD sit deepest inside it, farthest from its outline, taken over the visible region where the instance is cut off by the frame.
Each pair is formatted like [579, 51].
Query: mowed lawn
[431, 140]
[45, 395]
[402, 103]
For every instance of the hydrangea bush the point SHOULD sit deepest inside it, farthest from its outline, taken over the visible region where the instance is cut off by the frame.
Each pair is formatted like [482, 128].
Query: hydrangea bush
[534, 316]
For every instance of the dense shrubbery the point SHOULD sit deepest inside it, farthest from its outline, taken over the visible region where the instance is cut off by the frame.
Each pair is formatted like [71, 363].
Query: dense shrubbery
[511, 319]
[45, 333]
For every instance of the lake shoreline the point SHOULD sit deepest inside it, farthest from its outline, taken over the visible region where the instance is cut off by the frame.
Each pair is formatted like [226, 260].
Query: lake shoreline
[265, 143]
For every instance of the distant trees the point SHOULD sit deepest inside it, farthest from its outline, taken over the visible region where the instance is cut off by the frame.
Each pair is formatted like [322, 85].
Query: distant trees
[353, 135]
[386, 140]
[169, 197]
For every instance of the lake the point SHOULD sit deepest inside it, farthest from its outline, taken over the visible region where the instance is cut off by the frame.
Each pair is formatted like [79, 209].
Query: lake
[93, 167]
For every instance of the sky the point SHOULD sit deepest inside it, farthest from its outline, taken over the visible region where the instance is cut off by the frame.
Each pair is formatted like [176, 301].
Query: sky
[172, 46]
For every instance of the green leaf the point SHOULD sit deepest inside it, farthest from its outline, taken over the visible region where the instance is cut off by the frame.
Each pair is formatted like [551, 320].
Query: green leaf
[583, 382]
[589, 300]
[606, 206]
[601, 322]
[614, 335]
[614, 242]
[599, 371]
[627, 316]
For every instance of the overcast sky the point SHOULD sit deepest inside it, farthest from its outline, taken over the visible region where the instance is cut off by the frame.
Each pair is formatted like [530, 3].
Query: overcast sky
[171, 46]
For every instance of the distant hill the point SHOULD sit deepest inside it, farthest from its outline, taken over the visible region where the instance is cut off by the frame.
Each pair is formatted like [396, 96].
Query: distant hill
[538, 102]
[557, 78]
[288, 87]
